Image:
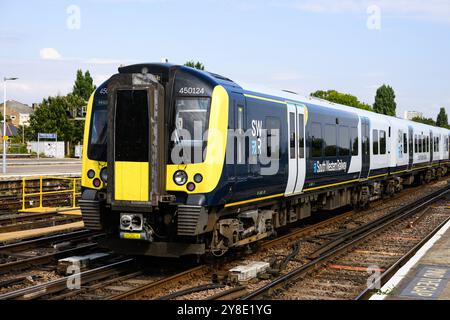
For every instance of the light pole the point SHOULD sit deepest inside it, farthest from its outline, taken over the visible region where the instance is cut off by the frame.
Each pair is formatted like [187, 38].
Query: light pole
[4, 121]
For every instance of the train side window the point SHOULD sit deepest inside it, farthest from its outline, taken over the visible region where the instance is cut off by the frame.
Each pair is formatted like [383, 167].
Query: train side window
[405, 143]
[428, 144]
[272, 124]
[420, 144]
[292, 134]
[375, 142]
[355, 141]
[316, 140]
[344, 141]
[330, 140]
[382, 142]
[301, 137]
[416, 144]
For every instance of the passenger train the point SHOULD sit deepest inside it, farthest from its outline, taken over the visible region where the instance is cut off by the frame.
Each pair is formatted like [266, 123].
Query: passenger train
[178, 161]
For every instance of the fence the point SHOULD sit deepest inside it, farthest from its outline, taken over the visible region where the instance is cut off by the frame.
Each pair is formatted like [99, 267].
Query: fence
[73, 190]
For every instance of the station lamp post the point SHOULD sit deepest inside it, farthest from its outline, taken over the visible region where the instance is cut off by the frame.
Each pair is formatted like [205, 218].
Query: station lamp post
[4, 121]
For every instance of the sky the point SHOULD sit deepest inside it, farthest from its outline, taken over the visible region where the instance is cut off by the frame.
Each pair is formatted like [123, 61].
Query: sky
[352, 46]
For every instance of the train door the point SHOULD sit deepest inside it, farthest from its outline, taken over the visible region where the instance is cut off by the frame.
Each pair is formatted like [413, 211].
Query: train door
[365, 144]
[431, 146]
[301, 159]
[293, 148]
[135, 162]
[297, 161]
[239, 170]
[411, 147]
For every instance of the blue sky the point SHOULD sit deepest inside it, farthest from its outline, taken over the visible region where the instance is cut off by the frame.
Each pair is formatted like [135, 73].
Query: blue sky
[300, 45]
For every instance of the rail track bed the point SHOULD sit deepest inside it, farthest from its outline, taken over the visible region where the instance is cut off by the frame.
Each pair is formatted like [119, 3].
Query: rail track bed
[349, 265]
[286, 253]
[28, 221]
[26, 263]
[300, 247]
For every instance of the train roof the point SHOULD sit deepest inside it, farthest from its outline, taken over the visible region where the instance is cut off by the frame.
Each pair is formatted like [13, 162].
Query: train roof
[164, 69]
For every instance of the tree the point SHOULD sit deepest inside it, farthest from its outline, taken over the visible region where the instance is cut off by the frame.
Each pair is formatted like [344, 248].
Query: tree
[52, 117]
[197, 65]
[84, 85]
[428, 121]
[341, 98]
[442, 119]
[385, 101]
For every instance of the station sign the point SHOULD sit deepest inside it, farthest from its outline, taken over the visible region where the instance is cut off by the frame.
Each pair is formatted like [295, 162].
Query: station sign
[47, 136]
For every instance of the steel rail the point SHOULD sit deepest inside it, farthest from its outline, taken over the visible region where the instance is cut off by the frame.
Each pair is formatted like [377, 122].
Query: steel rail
[58, 285]
[385, 276]
[355, 236]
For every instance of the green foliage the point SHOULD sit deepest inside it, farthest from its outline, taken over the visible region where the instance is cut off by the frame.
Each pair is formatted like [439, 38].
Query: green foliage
[197, 65]
[84, 85]
[1, 116]
[428, 121]
[385, 101]
[442, 119]
[52, 117]
[341, 98]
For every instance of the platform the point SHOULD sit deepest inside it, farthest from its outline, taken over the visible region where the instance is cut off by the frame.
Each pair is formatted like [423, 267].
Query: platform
[20, 235]
[61, 210]
[426, 276]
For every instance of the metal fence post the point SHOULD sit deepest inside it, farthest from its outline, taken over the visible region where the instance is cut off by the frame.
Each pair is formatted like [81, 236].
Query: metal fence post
[74, 192]
[40, 192]
[23, 193]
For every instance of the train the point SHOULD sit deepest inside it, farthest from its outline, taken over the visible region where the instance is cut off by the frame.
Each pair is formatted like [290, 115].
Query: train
[184, 162]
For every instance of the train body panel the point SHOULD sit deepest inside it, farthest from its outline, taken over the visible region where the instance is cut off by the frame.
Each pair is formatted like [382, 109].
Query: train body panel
[200, 164]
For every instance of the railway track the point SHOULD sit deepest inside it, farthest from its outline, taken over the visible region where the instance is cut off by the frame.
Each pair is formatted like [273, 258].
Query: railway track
[209, 282]
[26, 263]
[340, 269]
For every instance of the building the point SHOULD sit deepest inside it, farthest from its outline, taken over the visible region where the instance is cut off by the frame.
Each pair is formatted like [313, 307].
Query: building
[17, 113]
[409, 115]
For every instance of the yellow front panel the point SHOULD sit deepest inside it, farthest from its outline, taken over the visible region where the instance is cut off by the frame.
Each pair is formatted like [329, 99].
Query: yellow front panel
[131, 181]
[211, 169]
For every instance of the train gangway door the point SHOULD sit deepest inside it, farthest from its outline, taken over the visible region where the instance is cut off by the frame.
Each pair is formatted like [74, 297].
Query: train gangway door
[297, 162]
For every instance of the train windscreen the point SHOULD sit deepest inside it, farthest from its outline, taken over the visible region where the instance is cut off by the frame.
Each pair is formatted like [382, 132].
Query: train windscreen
[191, 124]
[98, 129]
[132, 126]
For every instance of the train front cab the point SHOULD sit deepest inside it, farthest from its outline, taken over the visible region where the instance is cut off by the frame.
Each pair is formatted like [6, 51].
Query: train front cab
[151, 204]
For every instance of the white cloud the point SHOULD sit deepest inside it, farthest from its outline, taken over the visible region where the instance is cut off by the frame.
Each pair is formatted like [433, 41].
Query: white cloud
[50, 54]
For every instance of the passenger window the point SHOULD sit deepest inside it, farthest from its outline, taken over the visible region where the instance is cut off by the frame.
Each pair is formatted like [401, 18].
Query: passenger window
[316, 140]
[292, 134]
[301, 138]
[382, 142]
[416, 144]
[375, 142]
[272, 124]
[240, 142]
[405, 143]
[355, 141]
[344, 141]
[330, 141]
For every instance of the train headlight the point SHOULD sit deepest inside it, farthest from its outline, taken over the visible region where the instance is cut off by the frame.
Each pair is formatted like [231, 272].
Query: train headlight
[125, 221]
[180, 178]
[198, 178]
[91, 174]
[104, 174]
